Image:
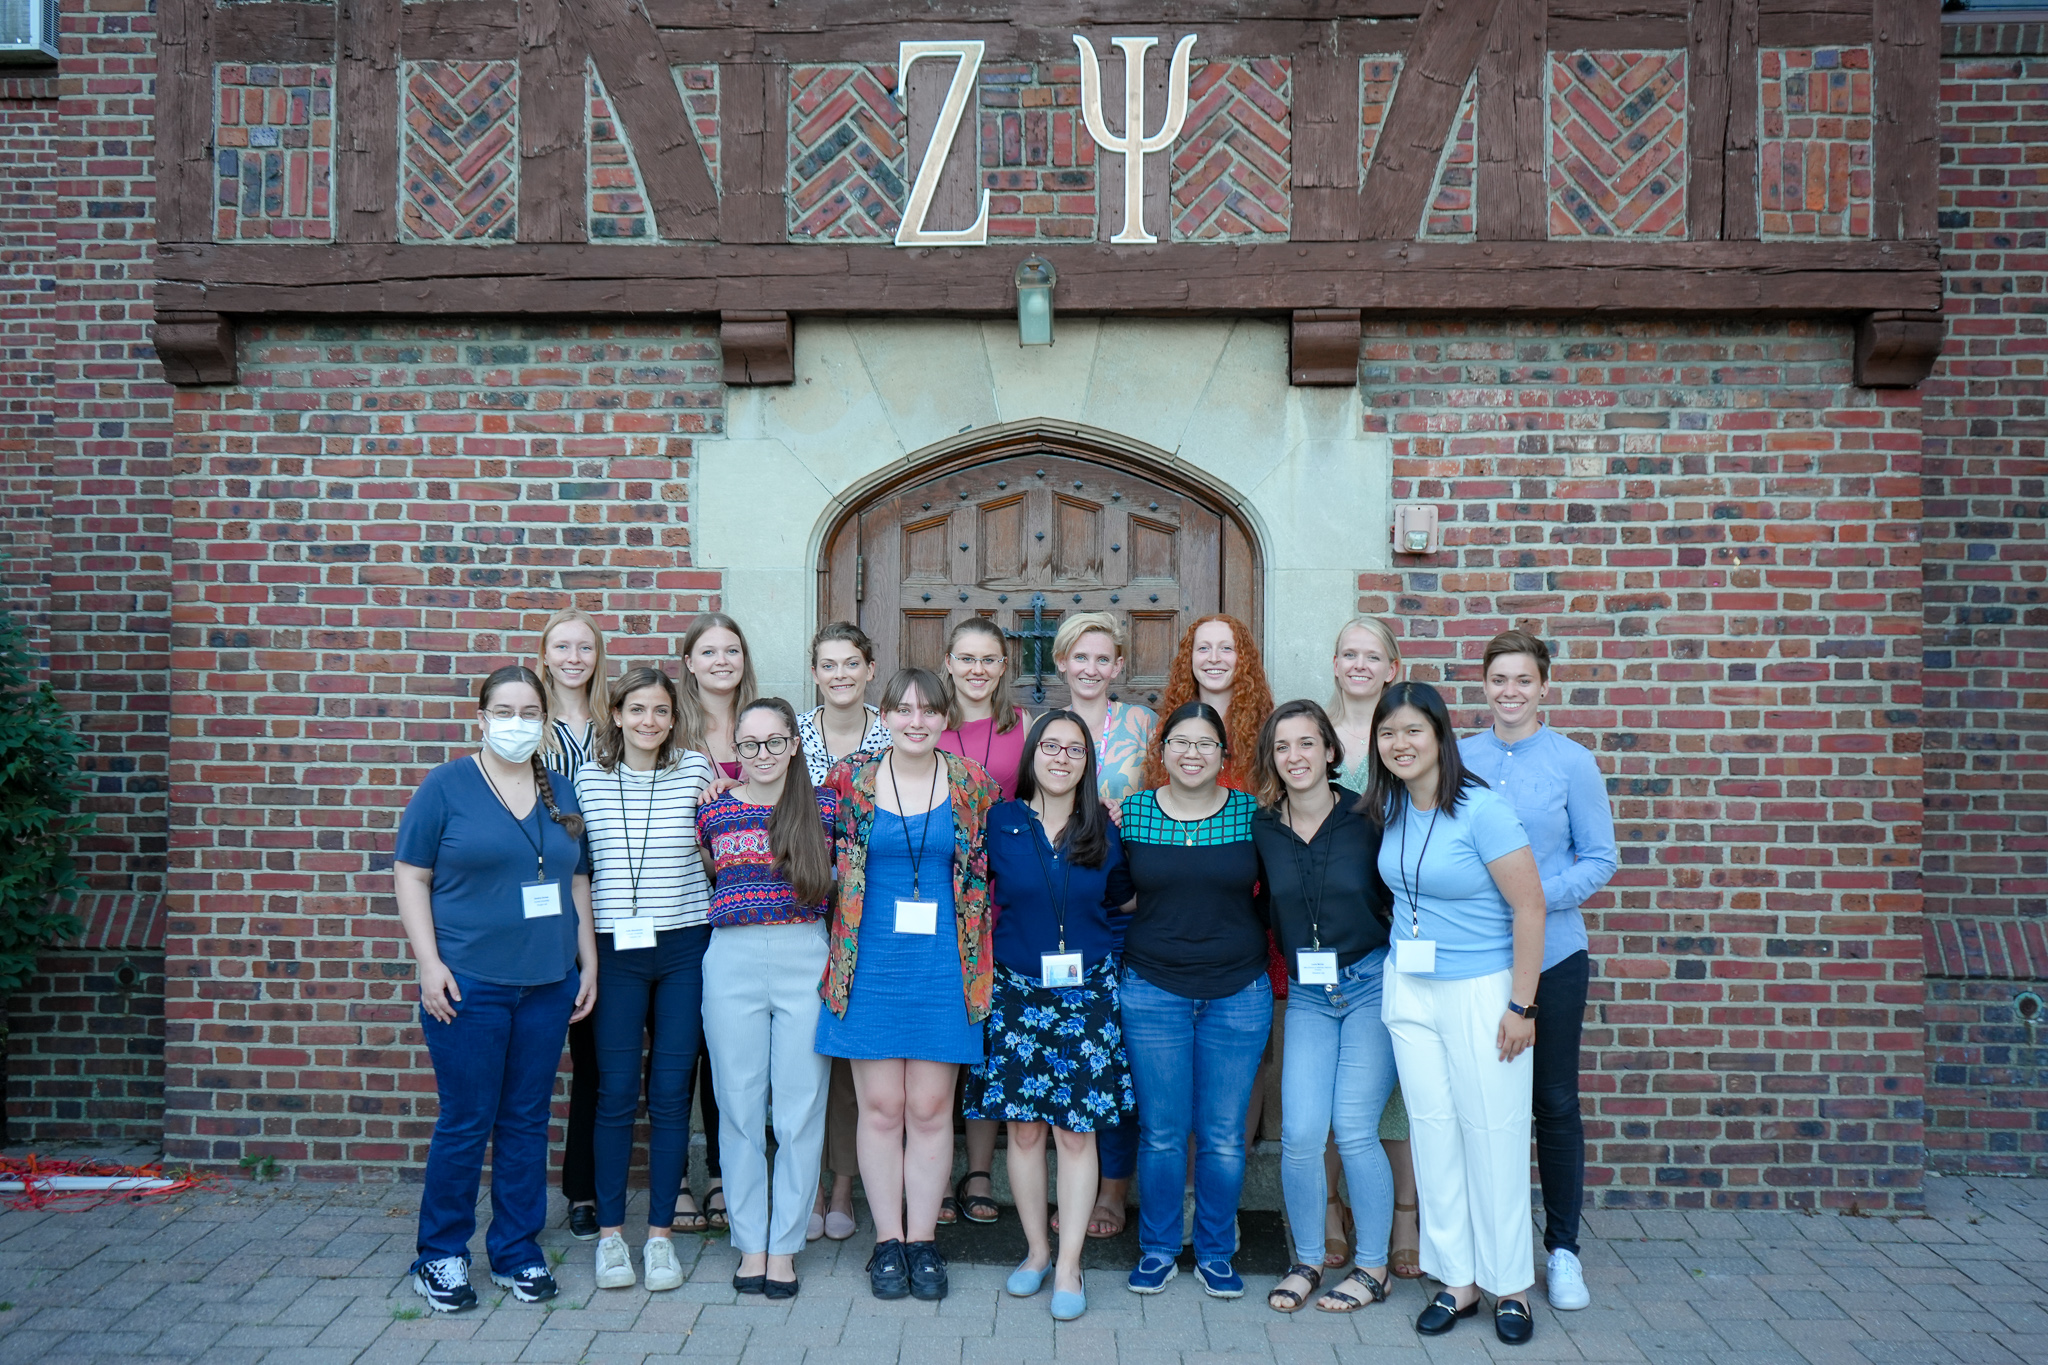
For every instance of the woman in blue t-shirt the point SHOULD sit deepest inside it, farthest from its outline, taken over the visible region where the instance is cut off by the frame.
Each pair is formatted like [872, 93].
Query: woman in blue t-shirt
[1459, 1001]
[493, 887]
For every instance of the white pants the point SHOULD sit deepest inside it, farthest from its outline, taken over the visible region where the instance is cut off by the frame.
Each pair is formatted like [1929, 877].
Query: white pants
[1468, 1121]
[760, 1020]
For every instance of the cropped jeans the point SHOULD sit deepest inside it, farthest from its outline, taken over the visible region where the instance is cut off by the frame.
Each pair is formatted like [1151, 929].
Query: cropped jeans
[1336, 1073]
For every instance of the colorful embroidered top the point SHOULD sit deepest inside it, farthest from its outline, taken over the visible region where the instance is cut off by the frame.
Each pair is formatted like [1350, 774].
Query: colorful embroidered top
[974, 795]
[747, 890]
[1120, 749]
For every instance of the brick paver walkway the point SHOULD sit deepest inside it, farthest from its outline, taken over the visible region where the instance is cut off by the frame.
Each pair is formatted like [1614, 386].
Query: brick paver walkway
[293, 1276]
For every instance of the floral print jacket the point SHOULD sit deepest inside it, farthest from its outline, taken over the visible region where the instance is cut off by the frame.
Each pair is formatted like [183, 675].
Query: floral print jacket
[975, 793]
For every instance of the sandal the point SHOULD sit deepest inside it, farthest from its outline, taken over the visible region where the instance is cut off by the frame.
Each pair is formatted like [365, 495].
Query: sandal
[971, 1206]
[1337, 1250]
[1405, 1262]
[687, 1219]
[1375, 1292]
[1285, 1300]
[715, 1214]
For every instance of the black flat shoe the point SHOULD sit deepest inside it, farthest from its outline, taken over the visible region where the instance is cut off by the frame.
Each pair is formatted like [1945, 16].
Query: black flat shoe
[750, 1284]
[889, 1271]
[782, 1289]
[927, 1271]
[1511, 1321]
[583, 1222]
[1443, 1314]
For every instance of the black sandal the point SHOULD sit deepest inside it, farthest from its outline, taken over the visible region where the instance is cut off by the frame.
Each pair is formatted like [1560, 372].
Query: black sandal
[690, 1219]
[970, 1206]
[715, 1215]
[1314, 1276]
[1375, 1290]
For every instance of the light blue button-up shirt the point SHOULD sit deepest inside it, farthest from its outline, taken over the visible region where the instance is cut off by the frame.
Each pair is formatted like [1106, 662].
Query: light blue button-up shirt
[1556, 788]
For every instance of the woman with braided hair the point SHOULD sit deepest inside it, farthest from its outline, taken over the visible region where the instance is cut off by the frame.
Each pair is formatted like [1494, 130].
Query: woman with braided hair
[493, 886]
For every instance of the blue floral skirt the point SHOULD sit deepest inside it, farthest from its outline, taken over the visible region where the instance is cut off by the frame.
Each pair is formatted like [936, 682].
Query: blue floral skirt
[1054, 1056]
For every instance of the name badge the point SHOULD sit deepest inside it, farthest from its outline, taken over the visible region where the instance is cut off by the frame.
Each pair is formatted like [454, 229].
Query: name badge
[1317, 969]
[1415, 956]
[1059, 970]
[541, 899]
[637, 932]
[917, 917]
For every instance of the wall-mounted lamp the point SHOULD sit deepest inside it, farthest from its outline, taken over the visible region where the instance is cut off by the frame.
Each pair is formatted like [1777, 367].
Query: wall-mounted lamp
[1035, 279]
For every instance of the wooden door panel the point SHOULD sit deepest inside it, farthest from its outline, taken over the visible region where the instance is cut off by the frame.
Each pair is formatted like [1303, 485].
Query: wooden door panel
[1077, 541]
[928, 551]
[1003, 543]
[924, 642]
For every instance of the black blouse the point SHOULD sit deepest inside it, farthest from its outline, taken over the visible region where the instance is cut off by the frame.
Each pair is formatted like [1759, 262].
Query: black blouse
[1327, 889]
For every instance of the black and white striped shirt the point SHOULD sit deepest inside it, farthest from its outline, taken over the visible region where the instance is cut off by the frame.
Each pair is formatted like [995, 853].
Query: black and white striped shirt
[571, 749]
[642, 829]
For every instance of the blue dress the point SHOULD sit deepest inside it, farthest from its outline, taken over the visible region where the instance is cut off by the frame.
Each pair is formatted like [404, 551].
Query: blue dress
[906, 999]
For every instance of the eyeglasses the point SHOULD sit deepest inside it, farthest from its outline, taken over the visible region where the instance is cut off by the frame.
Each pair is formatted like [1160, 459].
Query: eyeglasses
[1052, 748]
[776, 745]
[507, 713]
[984, 661]
[1204, 748]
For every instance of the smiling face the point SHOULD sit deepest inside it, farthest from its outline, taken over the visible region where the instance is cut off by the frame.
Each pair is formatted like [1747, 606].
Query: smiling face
[976, 664]
[915, 723]
[1059, 772]
[1091, 666]
[1194, 755]
[1407, 744]
[1363, 667]
[646, 720]
[1514, 691]
[1215, 657]
[1300, 754]
[571, 655]
[765, 746]
[717, 661]
[842, 674]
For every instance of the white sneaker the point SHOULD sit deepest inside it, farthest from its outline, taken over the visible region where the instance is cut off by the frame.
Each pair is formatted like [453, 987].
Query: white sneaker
[614, 1263]
[658, 1262]
[1566, 1281]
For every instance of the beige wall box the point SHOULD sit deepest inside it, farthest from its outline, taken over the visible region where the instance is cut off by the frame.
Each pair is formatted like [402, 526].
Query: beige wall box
[1415, 529]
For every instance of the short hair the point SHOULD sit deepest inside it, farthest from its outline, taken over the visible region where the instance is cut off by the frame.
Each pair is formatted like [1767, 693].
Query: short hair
[846, 632]
[903, 681]
[1072, 628]
[1516, 642]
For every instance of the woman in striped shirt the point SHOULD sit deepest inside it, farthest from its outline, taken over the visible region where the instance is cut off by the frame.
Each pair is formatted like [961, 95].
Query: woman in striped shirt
[650, 899]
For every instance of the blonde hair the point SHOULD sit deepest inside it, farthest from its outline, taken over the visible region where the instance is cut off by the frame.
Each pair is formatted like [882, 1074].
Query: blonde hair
[597, 693]
[690, 717]
[1072, 628]
[1373, 626]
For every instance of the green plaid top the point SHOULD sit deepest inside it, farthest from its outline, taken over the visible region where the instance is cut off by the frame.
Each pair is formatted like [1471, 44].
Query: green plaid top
[1145, 823]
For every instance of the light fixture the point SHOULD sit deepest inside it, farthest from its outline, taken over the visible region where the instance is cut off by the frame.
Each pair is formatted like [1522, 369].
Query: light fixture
[1035, 278]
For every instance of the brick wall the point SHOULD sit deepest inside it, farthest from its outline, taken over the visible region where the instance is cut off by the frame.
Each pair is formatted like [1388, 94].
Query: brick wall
[1716, 533]
[366, 524]
[28, 251]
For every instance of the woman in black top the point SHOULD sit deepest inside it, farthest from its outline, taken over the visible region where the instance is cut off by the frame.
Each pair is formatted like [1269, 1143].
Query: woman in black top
[1329, 909]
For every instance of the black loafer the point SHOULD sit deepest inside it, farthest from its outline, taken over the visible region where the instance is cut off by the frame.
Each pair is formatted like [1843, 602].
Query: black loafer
[889, 1271]
[583, 1222]
[782, 1289]
[1443, 1314]
[1511, 1321]
[927, 1271]
[750, 1284]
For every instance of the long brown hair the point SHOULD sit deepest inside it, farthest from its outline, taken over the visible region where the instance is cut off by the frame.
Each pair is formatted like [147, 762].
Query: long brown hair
[1005, 712]
[608, 750]
[796, 830]
[1251, 697]
[690, 718]
[1272, 787]
[571, 822]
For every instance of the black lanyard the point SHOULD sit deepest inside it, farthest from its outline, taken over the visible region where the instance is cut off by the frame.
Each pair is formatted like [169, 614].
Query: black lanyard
[1414, 911]
[540, 861]
[1305, 861]
[646, 832]
[1059, 903]
[924, 830]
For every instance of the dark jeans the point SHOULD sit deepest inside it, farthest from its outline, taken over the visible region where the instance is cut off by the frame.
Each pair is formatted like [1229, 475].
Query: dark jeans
[579, 1149]
[1560, 1135]
[1116, 1148]
[656, 991]
[494, 1068]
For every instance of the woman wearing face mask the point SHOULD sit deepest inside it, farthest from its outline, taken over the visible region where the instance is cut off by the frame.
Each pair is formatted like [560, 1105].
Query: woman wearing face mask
[1460, 1002]
[907, 985]
[769, 843]
[493, 889]
[1197, 1004]
[1328, 912]
[1056, 1054]
[640, 794]
[572, 673]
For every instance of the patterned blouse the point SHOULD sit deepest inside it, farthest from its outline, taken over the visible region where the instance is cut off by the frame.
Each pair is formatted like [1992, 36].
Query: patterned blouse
[974, 795]
[1120, 749]
[810, 732]
[748, 890]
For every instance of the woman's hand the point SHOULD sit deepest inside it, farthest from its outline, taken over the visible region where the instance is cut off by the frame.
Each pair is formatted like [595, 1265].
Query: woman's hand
[586, 996]
[586, 947]
[438, 992]
[1516, 1033]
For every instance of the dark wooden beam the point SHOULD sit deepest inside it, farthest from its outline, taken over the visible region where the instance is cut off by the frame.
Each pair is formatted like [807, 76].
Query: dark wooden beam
[195, 348]
[1906, 81]
[1816, 23]
[753, 152]
[758, 348]
[1323, 347]
[1325, 147]
[366, 120]
[1441, 60]
[184, 122]
[1721, 130]
[1514, 75]
[1897, 349]
[644, 98]
[274, 32]
[461, 31]
[554, 163]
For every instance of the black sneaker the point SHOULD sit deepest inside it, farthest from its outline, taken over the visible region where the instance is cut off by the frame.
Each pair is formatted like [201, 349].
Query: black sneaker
[583, 1222]
[889, 1270]
[444, 1284]
[531, 1285]
[927, 1270]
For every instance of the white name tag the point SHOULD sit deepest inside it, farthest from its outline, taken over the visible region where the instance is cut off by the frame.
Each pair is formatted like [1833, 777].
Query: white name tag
[1059, 970]
[1317, 969]
[633, 933]
[917, 917]
[1415, 956]
[541, 899]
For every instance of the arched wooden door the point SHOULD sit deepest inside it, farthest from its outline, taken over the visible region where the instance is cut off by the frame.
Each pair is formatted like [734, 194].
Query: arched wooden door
[1024, 535]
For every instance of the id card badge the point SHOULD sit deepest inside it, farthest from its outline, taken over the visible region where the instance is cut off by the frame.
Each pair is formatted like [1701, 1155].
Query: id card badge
[917, 917]
[1317, 969]
[1059, 970]
[1415, 956]
[637, 932]
[541, 899]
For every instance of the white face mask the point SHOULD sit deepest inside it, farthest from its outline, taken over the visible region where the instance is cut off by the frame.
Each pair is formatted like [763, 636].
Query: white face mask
[512, 740]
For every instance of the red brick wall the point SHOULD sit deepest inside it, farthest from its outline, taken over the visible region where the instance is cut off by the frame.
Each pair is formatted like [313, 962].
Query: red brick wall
[1716, 532]
[366, 524]
[28, 252]
[85, 1045]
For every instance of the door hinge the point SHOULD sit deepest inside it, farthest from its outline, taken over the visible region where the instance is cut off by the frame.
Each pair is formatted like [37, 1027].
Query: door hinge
[860, 578]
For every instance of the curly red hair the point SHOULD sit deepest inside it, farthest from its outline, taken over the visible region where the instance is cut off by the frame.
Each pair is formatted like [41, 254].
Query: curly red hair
[1251, 699]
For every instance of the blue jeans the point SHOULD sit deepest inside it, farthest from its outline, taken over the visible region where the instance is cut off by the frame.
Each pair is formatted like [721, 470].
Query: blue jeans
[494, 1068]
[1193, 1062]
[1116, 1148]
[656, 991]
[1336, 1072]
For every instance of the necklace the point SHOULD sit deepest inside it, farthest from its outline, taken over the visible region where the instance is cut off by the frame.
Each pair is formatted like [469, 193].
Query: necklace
[1192, 827]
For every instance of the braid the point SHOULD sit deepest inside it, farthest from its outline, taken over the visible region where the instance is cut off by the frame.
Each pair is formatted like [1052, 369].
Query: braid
[572, 823]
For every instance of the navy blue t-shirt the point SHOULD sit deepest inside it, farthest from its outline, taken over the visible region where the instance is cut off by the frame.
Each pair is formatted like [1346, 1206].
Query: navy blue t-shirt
[480, 857]
[1027, 921]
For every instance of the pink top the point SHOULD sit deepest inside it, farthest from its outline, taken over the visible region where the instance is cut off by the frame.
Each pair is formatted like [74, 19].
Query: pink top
[1001, 755]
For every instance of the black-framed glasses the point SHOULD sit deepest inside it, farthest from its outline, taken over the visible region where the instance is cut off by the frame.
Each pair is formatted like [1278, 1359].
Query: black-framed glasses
[1052, 748]
[776, 745]
[1202, 748]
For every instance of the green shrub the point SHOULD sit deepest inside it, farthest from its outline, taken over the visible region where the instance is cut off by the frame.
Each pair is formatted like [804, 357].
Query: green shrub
[39, 786]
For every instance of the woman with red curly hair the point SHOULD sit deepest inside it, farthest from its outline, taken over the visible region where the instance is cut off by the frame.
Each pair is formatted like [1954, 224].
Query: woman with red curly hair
[1218, 663]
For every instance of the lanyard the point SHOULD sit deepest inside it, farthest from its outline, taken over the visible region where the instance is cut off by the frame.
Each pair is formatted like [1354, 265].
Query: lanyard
[1059, 903]
[1305, 861]
[1414, 912]
[540, 862]
[634, 865]
[916, 854]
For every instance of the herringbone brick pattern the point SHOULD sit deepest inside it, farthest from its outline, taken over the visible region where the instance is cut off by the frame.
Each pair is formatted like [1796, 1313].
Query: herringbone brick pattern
[1452, 199]
[273, 140]
[461, 139]
[1233, 165]
[1813, 175]
[1037, 161]
[1617, 144]
[846, 132]
[1377, 76]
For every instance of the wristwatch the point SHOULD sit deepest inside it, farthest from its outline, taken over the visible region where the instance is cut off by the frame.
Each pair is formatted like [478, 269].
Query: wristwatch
[1526, 1011]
